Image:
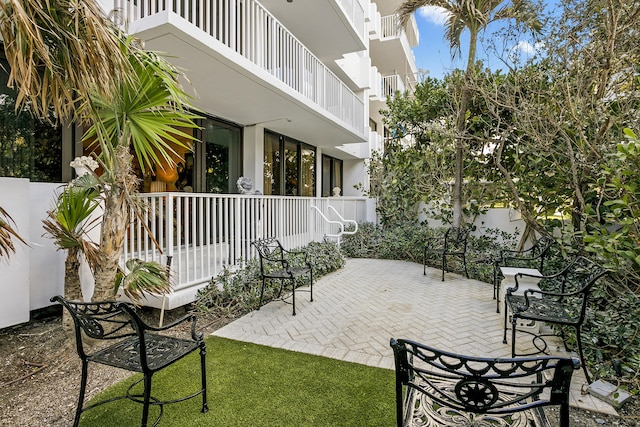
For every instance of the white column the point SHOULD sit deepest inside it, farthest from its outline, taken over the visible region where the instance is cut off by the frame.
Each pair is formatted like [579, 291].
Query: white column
[253, 155]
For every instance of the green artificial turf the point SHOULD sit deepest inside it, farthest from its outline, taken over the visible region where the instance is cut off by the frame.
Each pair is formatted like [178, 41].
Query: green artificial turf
[253, 385]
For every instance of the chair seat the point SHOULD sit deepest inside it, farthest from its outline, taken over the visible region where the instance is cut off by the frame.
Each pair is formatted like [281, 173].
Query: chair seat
[287, 273]
[542, 309]
[427, 412]
[161, 352]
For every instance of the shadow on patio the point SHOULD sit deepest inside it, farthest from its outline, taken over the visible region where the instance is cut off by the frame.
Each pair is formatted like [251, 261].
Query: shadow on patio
[357, 309]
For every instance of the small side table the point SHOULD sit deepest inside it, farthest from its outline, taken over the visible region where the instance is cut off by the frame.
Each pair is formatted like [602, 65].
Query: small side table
[524, 283]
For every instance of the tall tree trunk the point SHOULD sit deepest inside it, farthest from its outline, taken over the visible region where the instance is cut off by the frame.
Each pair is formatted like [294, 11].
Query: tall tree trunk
[460, 132]
[115, 223]
[72, 289]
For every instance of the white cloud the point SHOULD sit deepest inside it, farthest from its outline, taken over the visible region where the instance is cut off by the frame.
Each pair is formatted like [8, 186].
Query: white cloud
[524, 50]
[433, 14]
[524, 47]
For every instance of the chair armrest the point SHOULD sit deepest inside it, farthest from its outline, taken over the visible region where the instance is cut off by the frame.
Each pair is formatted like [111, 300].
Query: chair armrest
[530, 292]
[146, 327]
[303, 256]
[512, 289]
[434, 242]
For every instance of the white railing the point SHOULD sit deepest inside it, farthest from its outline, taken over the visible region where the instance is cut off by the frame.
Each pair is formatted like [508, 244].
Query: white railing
[391, 29]
[395, 83]
[246, 27]
[355, 13]
[206, 232]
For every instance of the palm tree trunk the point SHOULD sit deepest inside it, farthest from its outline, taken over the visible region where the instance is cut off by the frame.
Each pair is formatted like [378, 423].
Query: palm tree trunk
[115, 223]
[460, 130]
[72, 290]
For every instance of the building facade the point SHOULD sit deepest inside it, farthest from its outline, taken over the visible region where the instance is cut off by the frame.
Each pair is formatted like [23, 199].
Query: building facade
[289, 91]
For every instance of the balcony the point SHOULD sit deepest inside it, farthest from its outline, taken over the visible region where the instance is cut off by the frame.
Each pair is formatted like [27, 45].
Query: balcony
[247, 67]
[329, 28]
[390, 47]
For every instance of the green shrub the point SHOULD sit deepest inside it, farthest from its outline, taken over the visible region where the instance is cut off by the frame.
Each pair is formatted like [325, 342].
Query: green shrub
[406, 242]
[236, 291]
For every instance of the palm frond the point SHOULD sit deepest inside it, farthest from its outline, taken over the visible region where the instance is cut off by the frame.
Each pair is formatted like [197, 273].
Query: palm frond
[7, 234]
[68, 223]
[147, 113]
[143, 277]
[51, 44]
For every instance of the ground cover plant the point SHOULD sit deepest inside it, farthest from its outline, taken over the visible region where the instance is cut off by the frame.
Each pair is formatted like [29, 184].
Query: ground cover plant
[236, 291]
[249, 384]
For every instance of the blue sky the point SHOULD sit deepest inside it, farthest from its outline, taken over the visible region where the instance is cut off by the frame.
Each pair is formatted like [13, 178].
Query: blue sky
[433, 53]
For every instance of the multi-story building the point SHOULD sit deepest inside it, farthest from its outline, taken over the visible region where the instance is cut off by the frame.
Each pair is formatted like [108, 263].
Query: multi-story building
[290, 92]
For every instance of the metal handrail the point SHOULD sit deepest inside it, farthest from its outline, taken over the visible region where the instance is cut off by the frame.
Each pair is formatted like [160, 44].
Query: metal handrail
[355, 224]
[330, 222]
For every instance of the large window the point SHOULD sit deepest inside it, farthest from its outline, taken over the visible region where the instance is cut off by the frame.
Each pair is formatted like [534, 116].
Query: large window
[331, 175]
[219, 157]
[289, 166]
[29, 147]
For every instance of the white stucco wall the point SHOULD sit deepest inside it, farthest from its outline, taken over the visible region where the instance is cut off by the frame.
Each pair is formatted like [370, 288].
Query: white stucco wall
[36, 272]
[14, 271]
[47, 263]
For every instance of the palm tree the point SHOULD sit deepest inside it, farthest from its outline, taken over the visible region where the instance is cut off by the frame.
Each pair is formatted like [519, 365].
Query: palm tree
[67, 225]
[143, 115]
[59, 52]
[474, 16]
[48, 55]
[66, 55]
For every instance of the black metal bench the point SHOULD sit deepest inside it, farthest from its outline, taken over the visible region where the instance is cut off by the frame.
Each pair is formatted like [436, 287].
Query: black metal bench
[438, 388]
[131, 344]
[277, 263]
[561, 300]
[454, 243]
[534, 257]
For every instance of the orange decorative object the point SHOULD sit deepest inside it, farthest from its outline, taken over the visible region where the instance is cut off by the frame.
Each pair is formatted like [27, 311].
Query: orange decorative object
[167, 174]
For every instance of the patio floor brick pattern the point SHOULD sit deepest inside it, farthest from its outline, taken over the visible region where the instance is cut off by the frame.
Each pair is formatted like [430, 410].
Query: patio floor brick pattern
[357, 309]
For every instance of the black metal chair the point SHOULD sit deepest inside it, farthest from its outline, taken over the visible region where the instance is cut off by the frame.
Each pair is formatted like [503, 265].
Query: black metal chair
[131, 344]
[561, 300]
[435, 387]
[534, 257]
[454, 243]
[283, 265]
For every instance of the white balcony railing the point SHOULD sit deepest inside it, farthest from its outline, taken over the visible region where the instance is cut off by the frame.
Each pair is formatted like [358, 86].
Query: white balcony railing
[206, 232]
[246, 27]
[391, 29]
[395, 83]
[355, 13]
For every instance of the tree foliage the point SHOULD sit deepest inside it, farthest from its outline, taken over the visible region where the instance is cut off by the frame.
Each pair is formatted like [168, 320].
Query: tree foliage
[567, 108]
[472, 16]
[406, 174]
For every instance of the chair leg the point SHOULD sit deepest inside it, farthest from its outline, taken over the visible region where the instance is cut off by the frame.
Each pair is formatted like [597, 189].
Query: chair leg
[147, 398]
[514, 322]
[564, 414]
[261, 293]
[83, 388]
[504, 337]
[444, 265]
[203, 372]
[464, 261]
[311, 283]
[495, 282]
[293, 293]
[424, 262]
[580, 352]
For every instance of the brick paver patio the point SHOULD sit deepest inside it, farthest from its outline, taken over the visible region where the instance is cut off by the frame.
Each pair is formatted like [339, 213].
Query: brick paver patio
[357, 309]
